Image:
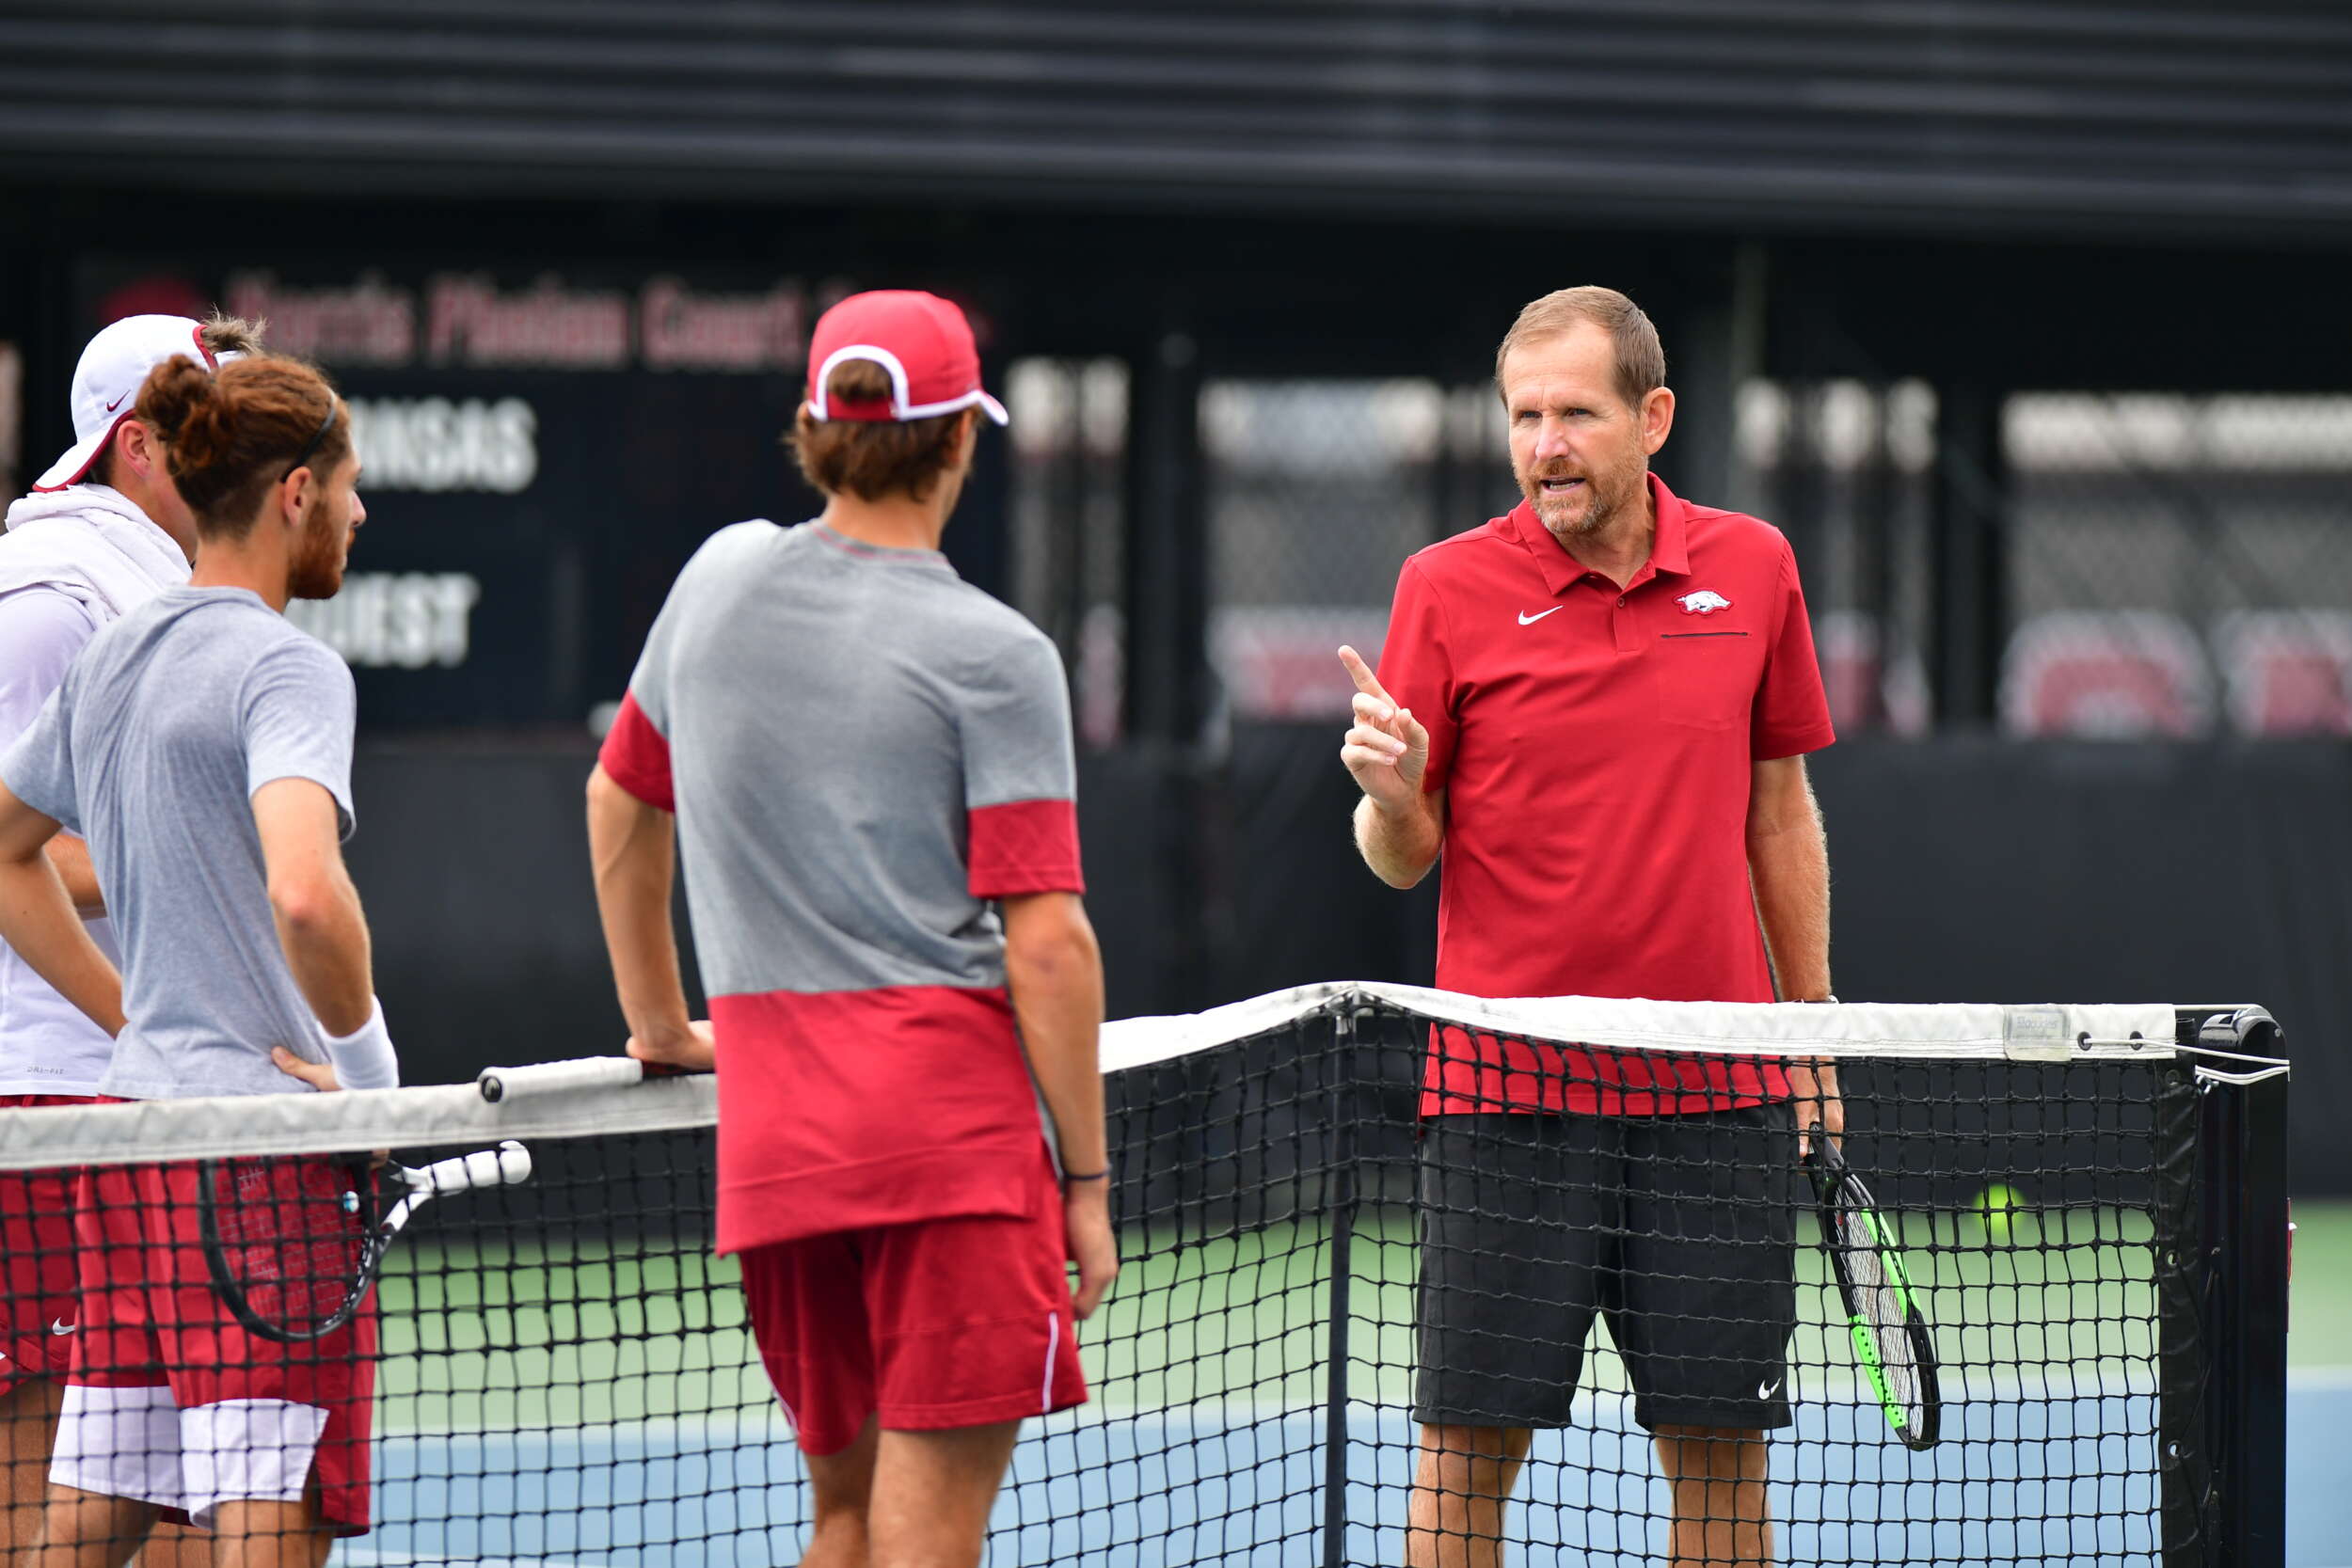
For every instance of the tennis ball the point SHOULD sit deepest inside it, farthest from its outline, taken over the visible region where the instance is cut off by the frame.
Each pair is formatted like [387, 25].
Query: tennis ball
[1998, 1206]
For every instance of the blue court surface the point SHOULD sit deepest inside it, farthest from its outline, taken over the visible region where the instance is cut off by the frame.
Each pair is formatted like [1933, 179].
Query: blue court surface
[2059, 1480]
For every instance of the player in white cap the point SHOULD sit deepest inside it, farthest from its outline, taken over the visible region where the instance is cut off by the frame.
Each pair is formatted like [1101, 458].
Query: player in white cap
[103, 532]
[246, 968]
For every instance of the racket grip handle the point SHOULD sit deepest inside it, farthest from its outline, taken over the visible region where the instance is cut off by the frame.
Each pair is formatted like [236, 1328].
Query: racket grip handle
[486, 1168]
[500, 1084]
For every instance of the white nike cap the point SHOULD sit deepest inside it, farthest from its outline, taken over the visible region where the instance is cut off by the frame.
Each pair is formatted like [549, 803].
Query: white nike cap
[106, 383]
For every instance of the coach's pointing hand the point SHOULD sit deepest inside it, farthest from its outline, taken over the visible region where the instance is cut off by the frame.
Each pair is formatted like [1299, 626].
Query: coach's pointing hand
[1387, 749]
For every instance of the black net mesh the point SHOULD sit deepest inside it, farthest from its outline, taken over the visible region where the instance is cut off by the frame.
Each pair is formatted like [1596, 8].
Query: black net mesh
[1315, 1267]
[1331, 1308]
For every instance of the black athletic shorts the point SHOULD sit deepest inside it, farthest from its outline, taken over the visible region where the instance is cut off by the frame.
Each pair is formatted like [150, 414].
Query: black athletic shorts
[1680, 1230]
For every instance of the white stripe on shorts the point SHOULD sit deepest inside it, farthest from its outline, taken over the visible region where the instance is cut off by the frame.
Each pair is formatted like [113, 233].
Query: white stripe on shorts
[119, 1443]
[1053, 1343]
[248, 1450]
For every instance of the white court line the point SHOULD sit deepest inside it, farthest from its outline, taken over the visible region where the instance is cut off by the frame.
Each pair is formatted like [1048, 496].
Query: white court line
[364, 1556]
[2320, 1380]
[1972, 1386]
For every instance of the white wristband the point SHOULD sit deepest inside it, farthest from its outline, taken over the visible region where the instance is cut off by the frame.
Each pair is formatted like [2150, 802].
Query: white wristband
[363, 1059]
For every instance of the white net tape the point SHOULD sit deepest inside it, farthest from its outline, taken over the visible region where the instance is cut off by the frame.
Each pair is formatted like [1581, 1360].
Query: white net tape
[604, 1095]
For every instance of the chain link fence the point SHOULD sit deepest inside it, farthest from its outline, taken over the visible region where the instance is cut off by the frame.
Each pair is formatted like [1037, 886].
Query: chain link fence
[1318, 490]
[2178, 565]
[1068, 520]
[2173, 566]
[1846, 470]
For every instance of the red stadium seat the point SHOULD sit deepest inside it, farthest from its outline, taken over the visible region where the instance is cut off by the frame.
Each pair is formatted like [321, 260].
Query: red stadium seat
[1281, 661]
[2287, 671]
[2107, 676]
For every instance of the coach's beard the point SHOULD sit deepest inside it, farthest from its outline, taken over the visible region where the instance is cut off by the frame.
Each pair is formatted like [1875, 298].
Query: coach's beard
[1583, 513]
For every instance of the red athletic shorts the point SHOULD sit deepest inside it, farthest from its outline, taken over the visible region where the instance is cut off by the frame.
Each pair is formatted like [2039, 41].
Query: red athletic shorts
[158, 1353]
[36, 1309]
[946, 1323]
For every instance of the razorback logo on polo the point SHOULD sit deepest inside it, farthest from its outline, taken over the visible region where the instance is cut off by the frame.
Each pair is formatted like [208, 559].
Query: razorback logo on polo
[1705, 602]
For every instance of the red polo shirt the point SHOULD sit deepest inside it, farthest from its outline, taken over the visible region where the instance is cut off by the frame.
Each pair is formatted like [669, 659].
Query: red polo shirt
[1595, 748]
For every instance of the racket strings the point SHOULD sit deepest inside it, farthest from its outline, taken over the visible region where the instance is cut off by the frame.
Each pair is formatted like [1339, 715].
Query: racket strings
[292, 1238]
[1878, 1301]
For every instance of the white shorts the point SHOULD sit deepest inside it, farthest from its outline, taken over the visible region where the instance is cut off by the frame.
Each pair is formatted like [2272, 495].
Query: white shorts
[137, 1443]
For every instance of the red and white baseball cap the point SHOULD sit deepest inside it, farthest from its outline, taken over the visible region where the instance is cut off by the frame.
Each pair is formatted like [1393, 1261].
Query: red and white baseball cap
[106, 383]
[921, 339]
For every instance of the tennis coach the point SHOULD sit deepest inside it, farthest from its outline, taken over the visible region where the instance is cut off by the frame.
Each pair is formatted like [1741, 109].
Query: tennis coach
[1597, 708]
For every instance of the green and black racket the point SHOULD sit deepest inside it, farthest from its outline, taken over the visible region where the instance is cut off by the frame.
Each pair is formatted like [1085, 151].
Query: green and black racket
[1890, 1333]
[294, 1246]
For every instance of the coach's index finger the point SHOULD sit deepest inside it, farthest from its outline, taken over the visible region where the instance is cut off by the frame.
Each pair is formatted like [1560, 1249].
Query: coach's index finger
[1360, 673]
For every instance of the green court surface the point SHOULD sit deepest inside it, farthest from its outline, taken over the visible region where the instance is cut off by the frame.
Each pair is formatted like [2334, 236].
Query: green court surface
[2319, 1310]
[502, 1337]
[518, 1336]
[2065, 1294]
[567, 1403]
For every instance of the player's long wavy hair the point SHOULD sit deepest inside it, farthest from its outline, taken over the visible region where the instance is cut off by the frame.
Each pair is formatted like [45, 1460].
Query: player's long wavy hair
[872, 459]
[229, 434]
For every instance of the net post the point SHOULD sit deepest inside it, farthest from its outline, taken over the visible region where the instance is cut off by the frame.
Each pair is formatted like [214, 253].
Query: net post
[2183, 1369]
[2244, 1203]
[1340, 1197]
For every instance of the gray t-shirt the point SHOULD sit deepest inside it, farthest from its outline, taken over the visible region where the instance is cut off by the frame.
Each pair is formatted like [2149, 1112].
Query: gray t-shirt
[152, 749]
[865, 755]
[868, 752]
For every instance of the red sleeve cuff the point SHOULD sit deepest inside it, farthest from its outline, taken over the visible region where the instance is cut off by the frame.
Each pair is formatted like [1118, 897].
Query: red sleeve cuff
[636, 756]
[1024, 847]
[1770, 747]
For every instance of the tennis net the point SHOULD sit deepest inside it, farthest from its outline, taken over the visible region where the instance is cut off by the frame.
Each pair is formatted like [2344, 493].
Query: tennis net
[2059, 1334]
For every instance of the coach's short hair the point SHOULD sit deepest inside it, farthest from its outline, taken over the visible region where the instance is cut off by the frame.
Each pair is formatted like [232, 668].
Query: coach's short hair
[872, 458]
[1641, 357]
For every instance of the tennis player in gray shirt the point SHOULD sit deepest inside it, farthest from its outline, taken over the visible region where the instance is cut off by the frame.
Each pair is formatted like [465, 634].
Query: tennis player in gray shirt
[202, 747]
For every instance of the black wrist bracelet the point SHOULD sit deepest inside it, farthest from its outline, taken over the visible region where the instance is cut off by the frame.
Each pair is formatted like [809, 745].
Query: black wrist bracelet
[1091, 1176]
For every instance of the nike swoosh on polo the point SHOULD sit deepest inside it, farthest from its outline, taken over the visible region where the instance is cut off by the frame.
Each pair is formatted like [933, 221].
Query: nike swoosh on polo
[1766, 1390]
[59, 1325]
[1527, 620]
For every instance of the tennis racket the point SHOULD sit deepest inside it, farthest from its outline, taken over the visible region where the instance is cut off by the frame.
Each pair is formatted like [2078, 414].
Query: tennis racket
[1890, 1333]
[294, 1246]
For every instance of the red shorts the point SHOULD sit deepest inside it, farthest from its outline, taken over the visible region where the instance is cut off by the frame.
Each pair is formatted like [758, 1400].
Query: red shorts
[36, 1309]
[168, 1398]
[946, 1323]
